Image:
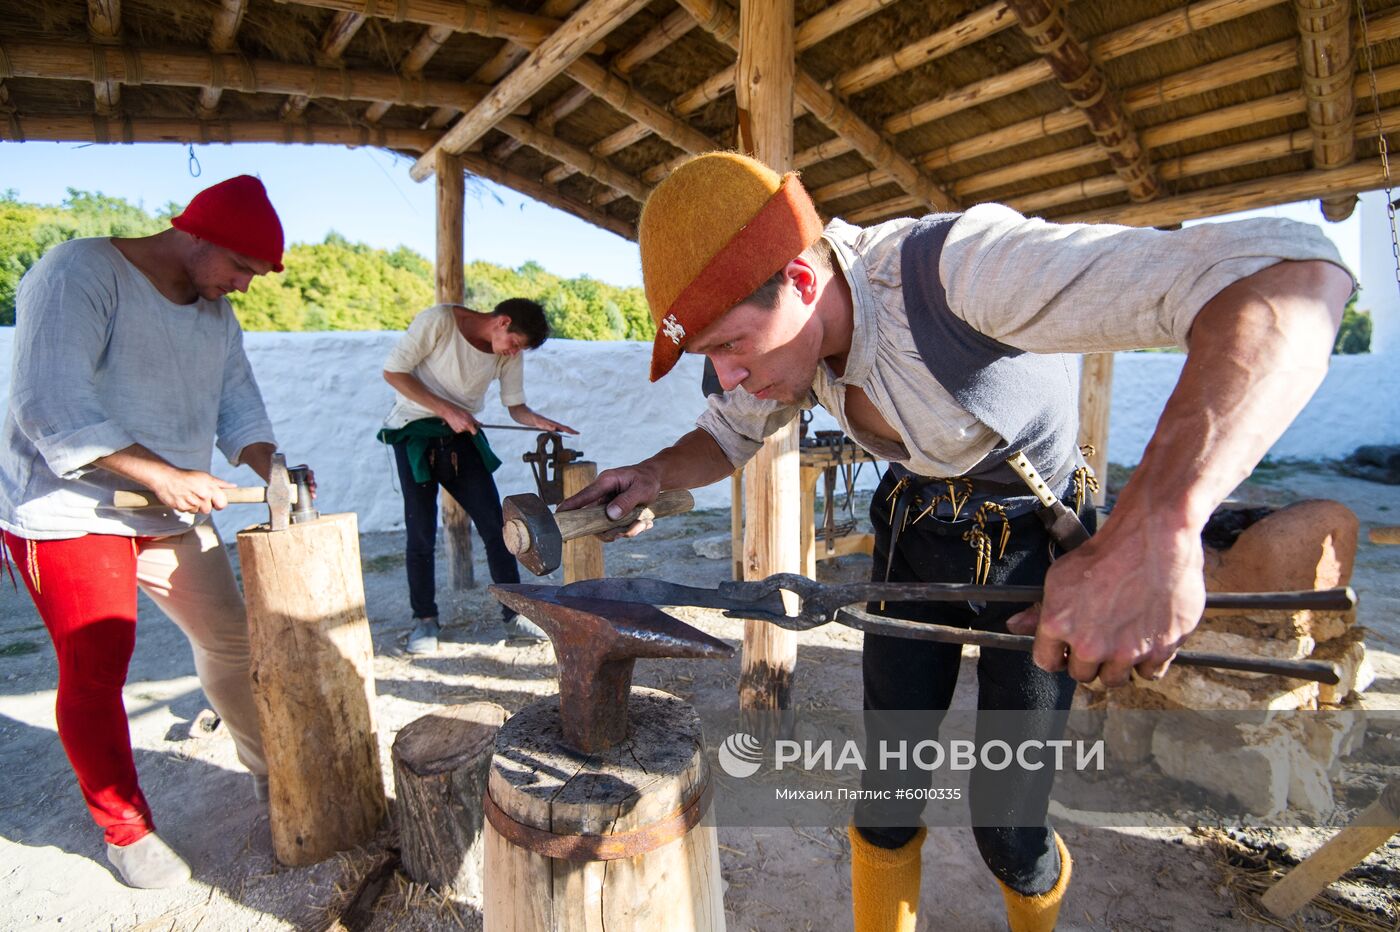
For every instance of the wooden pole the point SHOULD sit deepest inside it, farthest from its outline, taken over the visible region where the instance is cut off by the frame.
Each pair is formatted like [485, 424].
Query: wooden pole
[772, 496]
[736, 523]
[221, 41]
[69, 128]
[1082, 80]
[432, 39]
[451, 289]
[583, 556]
[567, 44]
[1328, 67]
[105, 27]
[313, 681]
[333, 44]
[1095, 399]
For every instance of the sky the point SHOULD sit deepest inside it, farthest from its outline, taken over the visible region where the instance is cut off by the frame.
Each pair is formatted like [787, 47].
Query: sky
[364, 194]
[367, 196]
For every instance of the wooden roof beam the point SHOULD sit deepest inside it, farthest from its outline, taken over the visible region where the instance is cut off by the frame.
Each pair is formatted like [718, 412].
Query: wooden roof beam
[721, 22]
[66, 61]
[226, 21]
[1271, 59]
[1198, 163]
[580, 159]
[341, 30]
[506, 58]
[593, 21]
[414, 60]
[985, 22]
[656, 40]
[1328, 67]
[1278, 106]
[479, 19]
[105, 28]
[543, 193]
[1134, 38]
[1084, 83]
[69, 128]
[563, 105]
[1229, 199]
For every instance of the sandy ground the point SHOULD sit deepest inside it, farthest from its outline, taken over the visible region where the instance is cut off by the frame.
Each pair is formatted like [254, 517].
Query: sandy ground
[53, 873]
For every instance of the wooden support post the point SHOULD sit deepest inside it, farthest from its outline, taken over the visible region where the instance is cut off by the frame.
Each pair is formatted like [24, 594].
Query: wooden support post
[1329, 70]
[313, 680]
[554, 814]
[1095, 397]
[808, 517]
[441, 762]
[736, 522]
[451, 289]
[583, 556]
[772, 500]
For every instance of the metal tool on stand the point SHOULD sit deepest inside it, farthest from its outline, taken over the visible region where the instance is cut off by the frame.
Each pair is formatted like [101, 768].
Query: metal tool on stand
[536, 536]
[822, 604]
[547, 462]
[287, 495]
[596, 644]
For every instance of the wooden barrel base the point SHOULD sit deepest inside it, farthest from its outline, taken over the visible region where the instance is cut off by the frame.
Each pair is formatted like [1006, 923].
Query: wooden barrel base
[637, 790]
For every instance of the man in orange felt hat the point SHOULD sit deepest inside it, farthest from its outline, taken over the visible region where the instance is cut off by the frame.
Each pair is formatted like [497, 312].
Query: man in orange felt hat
[941, 346]
[128, 368]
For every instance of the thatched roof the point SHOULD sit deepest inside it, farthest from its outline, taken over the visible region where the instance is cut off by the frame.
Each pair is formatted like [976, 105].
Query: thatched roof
[1140, 111]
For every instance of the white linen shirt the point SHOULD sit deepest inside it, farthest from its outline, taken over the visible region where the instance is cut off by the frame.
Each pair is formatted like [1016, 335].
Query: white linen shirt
[103, 360]
[1037, 286]
[434, 351]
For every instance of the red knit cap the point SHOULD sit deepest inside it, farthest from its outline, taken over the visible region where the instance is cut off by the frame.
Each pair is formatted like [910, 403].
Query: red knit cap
[237, 215]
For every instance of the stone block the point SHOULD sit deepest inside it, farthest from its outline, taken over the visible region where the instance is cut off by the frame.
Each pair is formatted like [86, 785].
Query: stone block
[1213, 755]
[1348, 653]
[1194, 688]
[1223, 642]
[713, 547]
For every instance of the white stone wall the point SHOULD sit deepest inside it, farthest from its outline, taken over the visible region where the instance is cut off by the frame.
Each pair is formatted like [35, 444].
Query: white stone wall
[327, 399]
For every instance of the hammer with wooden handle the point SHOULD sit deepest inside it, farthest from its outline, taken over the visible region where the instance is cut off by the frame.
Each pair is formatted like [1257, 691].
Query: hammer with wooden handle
[536, 535]
[285, 488]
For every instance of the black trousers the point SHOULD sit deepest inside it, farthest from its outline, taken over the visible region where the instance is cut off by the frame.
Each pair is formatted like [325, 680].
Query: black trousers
[457, 467]
[905, 674]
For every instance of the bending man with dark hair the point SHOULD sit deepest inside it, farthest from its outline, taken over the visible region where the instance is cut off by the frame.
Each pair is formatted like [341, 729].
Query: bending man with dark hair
[440, 371]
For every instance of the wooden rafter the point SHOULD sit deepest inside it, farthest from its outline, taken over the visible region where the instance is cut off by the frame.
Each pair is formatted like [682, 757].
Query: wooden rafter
[985, 22]
[1328, 67]
[481, 19]
[594, 20]
[105, 28]
[721, 22]
[1134, 38]
[1087, 88]
[172, 68]
[545, 194]
[580, 159]
[1276, 107]
[337, 38]
[411, 67]
[501, 64]
[1229, 199]
[1272, 59]
[69, 128]
[563, 105]
[221, 41]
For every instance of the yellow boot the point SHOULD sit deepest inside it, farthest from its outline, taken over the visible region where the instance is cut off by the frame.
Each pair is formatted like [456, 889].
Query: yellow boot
[1039, 913]
[885, 883]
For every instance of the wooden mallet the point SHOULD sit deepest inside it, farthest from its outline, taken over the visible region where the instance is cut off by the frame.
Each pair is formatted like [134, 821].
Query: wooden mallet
[536, 535]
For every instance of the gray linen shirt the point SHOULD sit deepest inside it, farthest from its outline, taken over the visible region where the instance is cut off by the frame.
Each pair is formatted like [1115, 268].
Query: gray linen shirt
[103, 360]
[1037, 286]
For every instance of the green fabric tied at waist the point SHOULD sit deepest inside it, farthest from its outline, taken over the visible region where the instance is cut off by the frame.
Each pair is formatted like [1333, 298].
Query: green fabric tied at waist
[418, 436]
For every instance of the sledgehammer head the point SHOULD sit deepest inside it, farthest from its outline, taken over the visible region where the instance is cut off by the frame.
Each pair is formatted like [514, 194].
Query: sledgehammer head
[536, 535]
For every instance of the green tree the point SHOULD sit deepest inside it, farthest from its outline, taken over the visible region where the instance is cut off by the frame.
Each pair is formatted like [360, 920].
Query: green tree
[1354, 336]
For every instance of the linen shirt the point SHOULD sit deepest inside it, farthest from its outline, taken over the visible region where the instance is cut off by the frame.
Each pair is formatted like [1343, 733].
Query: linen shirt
[1036, 286]
[434, 351]
[103, 360]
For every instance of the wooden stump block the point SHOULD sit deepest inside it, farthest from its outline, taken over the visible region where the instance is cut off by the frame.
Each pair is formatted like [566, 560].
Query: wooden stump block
[313, 680]
[441, 762]
[583, 556]
[618, 840]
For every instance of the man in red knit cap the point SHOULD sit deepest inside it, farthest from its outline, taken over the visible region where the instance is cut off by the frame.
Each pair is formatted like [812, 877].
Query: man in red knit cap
[128, 368]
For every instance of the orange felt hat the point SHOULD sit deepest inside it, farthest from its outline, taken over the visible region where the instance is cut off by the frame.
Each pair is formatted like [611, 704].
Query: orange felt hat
[716, 229]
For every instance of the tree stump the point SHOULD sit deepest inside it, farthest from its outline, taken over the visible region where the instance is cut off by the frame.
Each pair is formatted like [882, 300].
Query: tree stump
[441, 762]
[313, 681]
[618, 840]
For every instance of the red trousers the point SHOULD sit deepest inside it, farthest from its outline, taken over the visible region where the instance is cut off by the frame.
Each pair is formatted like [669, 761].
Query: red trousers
[85, 591]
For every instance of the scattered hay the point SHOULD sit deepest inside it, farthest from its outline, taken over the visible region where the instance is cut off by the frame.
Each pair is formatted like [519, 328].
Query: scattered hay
[1248, 869]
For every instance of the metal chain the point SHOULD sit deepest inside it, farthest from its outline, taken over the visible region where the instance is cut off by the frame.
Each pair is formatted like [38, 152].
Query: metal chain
[1380, 137]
